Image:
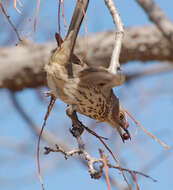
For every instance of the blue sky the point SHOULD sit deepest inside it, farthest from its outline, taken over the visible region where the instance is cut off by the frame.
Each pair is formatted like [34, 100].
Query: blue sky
[149, 99]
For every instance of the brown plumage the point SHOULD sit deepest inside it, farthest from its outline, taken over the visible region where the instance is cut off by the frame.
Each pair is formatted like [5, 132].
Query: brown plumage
[89, 90]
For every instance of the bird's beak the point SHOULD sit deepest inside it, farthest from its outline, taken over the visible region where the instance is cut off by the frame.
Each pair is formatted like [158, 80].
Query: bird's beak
[126, 135]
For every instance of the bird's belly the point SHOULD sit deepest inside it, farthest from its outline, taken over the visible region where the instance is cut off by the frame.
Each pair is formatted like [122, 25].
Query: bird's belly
[89, 100]
[93, 112]
[91, 104]
[64, 91]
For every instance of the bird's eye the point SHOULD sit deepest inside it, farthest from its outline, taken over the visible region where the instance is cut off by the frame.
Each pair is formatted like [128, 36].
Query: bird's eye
[121, 116]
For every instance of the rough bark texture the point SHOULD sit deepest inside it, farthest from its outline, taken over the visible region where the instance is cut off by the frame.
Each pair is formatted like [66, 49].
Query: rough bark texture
[23, 66]
[158, 17]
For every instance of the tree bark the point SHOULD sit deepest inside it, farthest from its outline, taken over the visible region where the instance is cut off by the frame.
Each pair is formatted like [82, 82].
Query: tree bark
[23, 66]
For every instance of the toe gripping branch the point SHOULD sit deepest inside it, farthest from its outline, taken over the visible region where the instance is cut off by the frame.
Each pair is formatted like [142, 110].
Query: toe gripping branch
[77, 126]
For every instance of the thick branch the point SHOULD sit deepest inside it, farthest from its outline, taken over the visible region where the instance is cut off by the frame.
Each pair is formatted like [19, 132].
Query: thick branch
[157, 16]
[22, 66]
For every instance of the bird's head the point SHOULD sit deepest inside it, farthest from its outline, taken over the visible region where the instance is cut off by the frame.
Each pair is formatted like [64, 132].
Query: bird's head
[118, 119]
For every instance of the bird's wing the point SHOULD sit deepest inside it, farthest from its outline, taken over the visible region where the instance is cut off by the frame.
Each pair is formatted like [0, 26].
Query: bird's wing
[100, 76]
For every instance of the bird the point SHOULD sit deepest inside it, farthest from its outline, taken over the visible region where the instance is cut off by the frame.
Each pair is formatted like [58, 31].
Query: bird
[85, 89]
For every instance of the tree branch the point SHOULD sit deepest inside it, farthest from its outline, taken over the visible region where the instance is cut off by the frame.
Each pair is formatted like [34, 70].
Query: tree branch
[47, 136]
[158, 17]
[114, 63]
[22, 66]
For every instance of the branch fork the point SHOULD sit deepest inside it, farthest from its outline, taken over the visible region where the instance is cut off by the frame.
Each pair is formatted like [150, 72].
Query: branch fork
[114, 64]
[96, 174]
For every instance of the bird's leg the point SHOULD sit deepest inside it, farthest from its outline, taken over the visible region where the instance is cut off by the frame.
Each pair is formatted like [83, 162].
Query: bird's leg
[77, 126]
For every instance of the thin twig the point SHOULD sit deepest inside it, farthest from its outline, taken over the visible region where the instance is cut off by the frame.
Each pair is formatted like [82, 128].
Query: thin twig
[135, 180]
[47, 136]
[109, 150]
[59, 20]
[15, 6]
[36, 18]
[117, 161]
[9, 20]
[106, 168]
[63, 16]
[50, 106]
[91, 161]
[138, 124]
[114, 64]
[132, 171]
